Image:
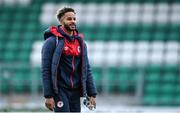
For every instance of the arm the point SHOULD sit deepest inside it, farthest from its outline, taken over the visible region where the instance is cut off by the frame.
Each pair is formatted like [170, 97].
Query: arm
[47, 54]
[91, 88]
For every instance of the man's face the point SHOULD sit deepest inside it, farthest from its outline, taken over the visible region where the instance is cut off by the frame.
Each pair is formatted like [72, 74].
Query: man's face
[69, 21]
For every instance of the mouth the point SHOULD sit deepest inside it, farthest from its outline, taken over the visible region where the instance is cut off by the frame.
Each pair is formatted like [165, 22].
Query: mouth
[73, 26]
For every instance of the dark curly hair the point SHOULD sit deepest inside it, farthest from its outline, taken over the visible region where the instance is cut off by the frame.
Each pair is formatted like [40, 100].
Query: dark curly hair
[64, 10]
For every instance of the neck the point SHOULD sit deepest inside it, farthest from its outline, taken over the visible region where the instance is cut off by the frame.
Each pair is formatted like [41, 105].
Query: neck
[70, 33]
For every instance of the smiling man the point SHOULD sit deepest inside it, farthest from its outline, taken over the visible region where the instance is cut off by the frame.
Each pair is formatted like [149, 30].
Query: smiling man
[66, 72]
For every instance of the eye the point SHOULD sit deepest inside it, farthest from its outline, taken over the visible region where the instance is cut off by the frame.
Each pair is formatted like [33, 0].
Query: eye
[69, 18]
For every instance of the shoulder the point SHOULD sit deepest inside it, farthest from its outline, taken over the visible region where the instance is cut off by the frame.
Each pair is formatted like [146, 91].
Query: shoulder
[81, 35]
[51, 39]
[50, 42]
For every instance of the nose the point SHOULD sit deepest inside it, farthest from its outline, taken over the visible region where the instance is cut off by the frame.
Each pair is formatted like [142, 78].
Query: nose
[73, 21]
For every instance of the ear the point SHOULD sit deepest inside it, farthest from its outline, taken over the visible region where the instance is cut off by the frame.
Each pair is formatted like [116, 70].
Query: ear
[61, 21]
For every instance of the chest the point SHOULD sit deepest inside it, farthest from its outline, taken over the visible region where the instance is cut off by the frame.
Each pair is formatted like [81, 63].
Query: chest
[71, 48]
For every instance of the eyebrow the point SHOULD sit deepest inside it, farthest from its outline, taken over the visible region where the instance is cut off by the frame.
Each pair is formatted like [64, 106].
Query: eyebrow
[71, 17]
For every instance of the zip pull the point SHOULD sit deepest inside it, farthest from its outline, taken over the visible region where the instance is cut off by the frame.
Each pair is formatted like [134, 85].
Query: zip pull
[72, 84]
[56, 41]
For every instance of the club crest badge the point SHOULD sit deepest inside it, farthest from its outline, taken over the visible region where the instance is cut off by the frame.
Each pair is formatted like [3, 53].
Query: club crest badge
[66, 48]
[78, 49]
[60, 104]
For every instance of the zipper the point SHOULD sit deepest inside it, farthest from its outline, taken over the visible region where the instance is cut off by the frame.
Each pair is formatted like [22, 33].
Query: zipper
[72, 84]
[82, 56]
[57, 69]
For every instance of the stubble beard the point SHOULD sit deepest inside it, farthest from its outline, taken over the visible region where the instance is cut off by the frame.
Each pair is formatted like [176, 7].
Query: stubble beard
[67, 27]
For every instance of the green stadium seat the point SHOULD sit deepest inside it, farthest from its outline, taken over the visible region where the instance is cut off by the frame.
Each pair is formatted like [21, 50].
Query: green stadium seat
[17, 27]
[174, 36]
[29, 36]
[144, 32]
[101, 35]
[127, 79]
[86, 30]
[175, 28]
[153, 68]
[161, 36]
[169, 77]
[145, 35]
[31, 26]
[21, 82]
[153, 77]
[123, 82]
[38, 36]
[97, 75]
[36, 9]
[160, 81]
[23, 56]
[170, 69]
[131, 35]
[26, 44]
[5, 83]
[177, 100]
[132, 27]
[12, 46]
[112, 78]
[38, 1]
[166, 100]
[150, 99]
[5, 17]
[36, 85]
[136, 1]
[167, 88]
[131, 32]
[2, 51]
[147, 27]
[126, 73]
[114, 33]
[116, 36]
[178, 78]
[9, 56]
[177, 88]
[18, 82]
[14, 37]
[34, 18]
[161, 27]
[90, 36]
[3, 34]
[19, 17]
[3, 26]
[151, 88]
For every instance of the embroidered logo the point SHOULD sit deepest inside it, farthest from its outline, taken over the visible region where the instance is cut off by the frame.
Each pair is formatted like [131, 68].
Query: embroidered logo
[60, 104]
[66, 48]
[78, 49]
[71, 48]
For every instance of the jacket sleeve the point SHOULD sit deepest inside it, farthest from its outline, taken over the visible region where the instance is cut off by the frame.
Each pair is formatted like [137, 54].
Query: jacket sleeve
[47, 54]
[90, 84]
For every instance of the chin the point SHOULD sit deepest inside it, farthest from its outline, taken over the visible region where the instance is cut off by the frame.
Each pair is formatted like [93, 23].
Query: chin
[73, 29]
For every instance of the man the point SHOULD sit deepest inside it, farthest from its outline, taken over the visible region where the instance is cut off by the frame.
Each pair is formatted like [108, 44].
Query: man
[66, 72]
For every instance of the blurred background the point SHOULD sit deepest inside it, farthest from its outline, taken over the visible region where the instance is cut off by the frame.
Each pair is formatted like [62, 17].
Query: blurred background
[133, 46]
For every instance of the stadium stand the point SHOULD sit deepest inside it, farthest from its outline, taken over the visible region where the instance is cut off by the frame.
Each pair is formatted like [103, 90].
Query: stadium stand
[125, 41]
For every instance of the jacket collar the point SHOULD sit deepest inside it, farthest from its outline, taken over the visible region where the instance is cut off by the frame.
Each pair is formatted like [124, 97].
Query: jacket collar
[58, 32]
[62, 32]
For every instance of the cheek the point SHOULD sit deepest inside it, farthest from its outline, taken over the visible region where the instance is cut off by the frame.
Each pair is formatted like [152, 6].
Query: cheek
[63, 22]
[66, 23]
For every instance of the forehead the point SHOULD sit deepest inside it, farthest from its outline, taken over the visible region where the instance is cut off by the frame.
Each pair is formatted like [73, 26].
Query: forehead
[69, 14]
